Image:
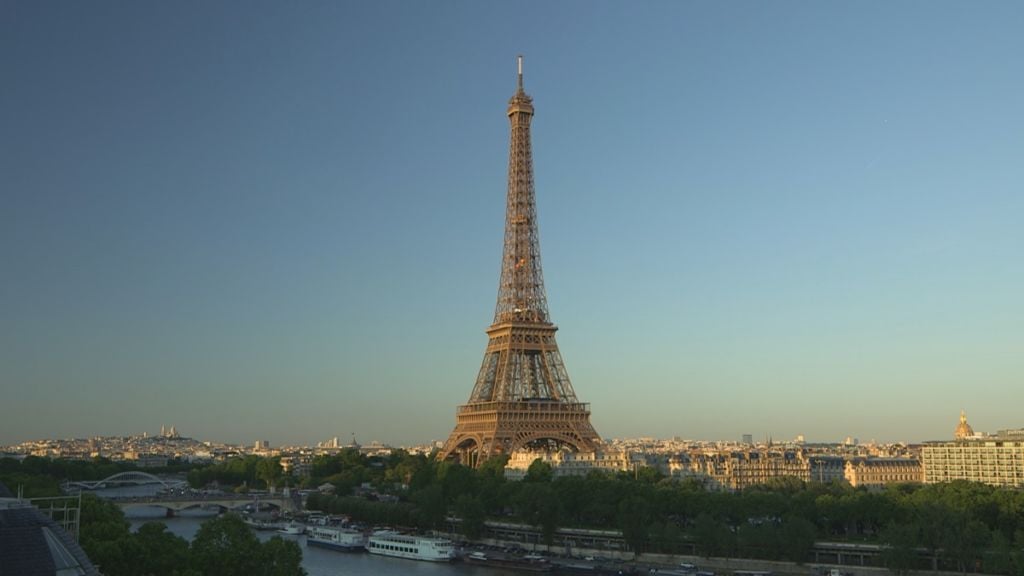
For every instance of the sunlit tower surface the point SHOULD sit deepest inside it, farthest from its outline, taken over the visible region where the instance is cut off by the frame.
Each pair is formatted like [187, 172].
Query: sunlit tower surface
[522, 397]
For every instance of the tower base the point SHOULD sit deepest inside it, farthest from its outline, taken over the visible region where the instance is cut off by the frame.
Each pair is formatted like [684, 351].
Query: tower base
[486, 429]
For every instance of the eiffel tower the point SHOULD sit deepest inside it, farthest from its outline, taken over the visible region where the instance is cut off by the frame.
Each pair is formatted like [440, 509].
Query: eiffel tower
[522, 397]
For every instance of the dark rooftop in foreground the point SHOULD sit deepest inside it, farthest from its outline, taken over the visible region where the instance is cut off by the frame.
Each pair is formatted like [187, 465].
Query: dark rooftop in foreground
[32, 544]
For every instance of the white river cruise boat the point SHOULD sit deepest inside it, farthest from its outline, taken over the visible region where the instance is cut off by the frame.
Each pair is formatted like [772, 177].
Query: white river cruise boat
[389, 543]
[342, 539]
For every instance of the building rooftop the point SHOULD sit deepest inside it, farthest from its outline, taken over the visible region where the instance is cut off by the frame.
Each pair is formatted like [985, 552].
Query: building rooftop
[32, 544]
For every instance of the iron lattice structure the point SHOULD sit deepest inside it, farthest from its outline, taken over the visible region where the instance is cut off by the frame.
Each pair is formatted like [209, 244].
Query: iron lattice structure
[523, 397]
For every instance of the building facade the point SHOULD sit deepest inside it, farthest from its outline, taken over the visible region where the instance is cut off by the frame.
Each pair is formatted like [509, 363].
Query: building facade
[739, 469]
[877, 472]
[567, 463]
[994, 460]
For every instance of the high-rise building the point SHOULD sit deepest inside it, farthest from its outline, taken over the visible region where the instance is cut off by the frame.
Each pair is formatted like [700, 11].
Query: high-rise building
[522, 398]
[997, 460]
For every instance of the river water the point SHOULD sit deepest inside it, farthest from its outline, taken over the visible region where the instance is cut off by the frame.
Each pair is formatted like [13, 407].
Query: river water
[318, 561]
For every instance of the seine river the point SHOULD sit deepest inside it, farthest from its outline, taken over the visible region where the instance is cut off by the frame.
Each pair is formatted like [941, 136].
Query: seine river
[320, 562]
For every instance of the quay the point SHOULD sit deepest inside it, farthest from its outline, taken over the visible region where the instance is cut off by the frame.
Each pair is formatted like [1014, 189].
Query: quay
[607, 549]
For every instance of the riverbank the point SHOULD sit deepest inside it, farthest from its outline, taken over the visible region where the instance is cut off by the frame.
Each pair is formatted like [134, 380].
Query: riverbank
[650, 563]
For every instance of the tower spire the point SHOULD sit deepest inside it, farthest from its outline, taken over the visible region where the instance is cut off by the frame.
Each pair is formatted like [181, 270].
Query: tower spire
[521, 288]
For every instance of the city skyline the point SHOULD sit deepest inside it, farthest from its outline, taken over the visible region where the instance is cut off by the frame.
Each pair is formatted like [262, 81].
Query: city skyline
[284, 222]
[338, 441]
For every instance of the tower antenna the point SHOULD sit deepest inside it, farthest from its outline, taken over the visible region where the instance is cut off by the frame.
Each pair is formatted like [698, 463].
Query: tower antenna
[519, 60]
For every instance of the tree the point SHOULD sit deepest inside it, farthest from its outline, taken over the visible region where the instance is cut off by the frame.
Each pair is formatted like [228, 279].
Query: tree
[899, 554]
[1017, 555]
[712, 536]
[422, 476]
[225, 546]
[152, 551]
[1001, 559]
[539, 471]
[967, 542]
[456, 480]
[402, 466]
[934, 521]
[798, 535]
[105, 537]
[492, 484]
[269, 470]
[538, 506]
[430, 507]
[550, 515]
[666, 537]
[280, 557]
[759, 540]
[494, 466]
[32, 485]
[324, 465]
[159, 552]
[633, 521]
[471, 511]
[649, 475]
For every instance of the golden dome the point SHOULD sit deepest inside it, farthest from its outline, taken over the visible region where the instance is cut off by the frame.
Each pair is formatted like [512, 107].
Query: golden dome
[963, 429]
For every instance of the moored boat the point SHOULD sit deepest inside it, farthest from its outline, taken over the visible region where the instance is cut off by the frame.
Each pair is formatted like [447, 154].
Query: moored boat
[259, 524]
[334, 538]
[390, 543]
[293, 528]
[529, 563]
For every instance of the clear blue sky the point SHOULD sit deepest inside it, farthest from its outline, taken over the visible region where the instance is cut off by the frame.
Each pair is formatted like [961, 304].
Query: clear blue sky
[283, 221]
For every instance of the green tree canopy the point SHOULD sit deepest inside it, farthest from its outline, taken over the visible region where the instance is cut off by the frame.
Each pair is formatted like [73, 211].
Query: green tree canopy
[225, 546]
[539, 471]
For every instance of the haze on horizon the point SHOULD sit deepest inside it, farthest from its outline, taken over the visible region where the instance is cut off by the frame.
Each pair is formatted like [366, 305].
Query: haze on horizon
[284, 222]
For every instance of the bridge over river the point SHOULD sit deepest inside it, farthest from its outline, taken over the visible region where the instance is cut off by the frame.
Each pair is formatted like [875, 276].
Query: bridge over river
[174, 503]
[174, 495]
[125, 479]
